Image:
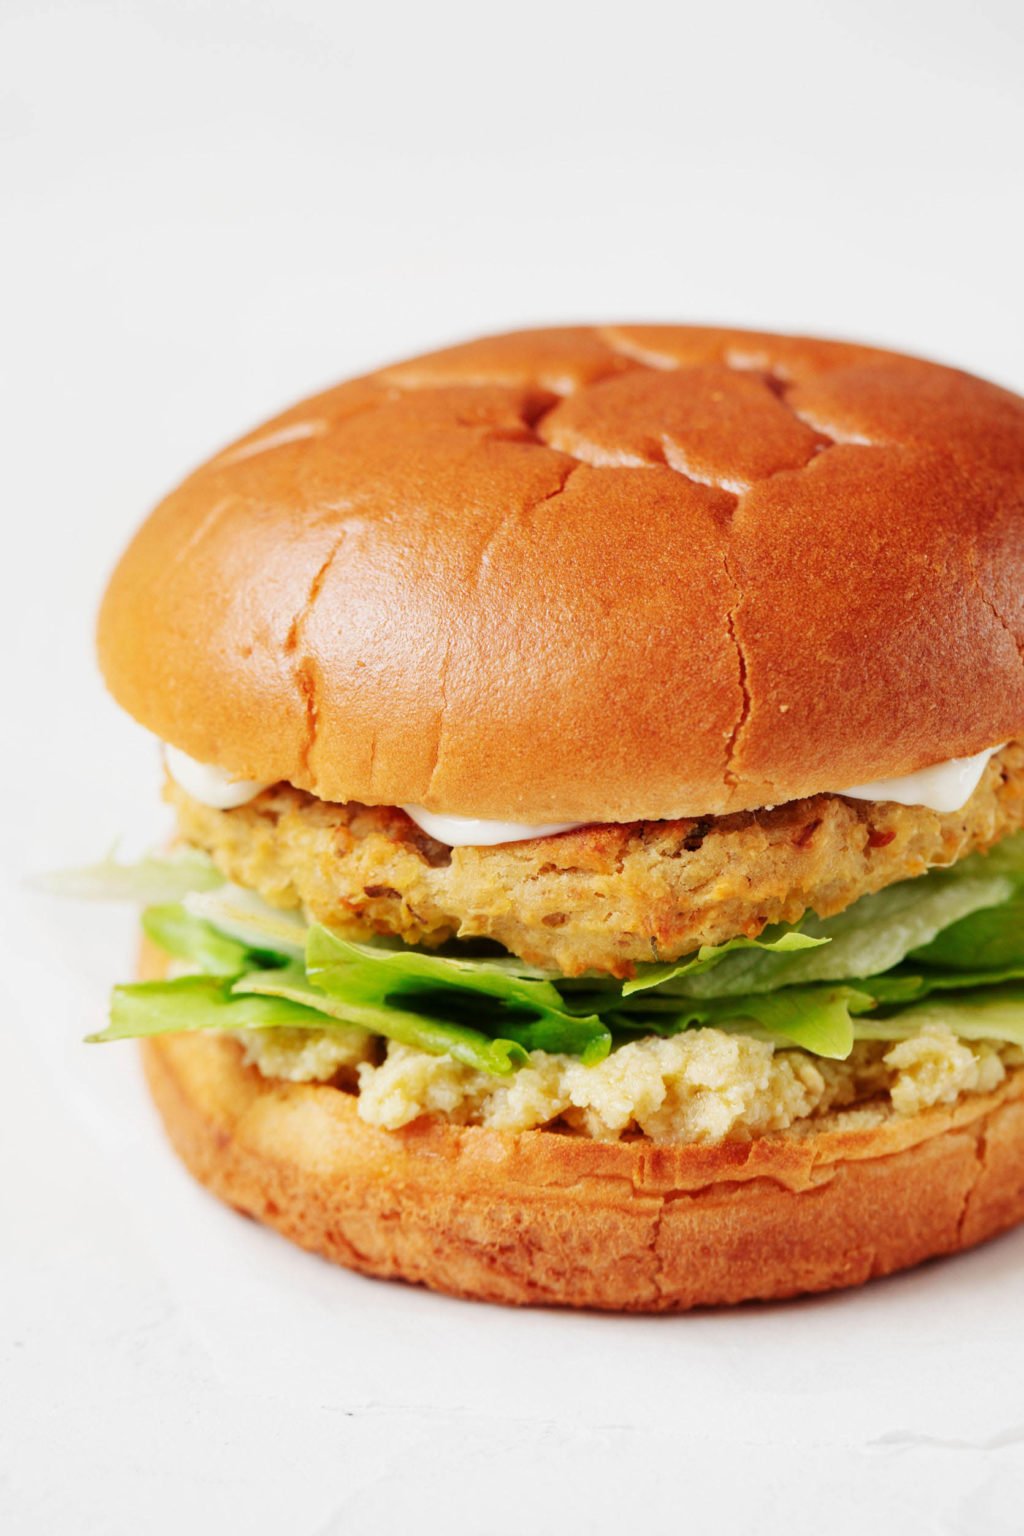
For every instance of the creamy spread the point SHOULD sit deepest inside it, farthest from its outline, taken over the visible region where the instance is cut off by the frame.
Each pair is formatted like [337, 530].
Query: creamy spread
[210, 786]
[705, 1085]
[945, 787]
[469, 832]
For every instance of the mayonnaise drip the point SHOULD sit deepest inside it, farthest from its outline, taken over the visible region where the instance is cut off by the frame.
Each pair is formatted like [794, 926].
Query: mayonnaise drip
[945, 787]
[469, 832]
[210, 786]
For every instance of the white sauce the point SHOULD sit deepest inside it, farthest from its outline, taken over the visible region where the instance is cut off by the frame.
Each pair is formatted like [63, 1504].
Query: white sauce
[945, 787]
[469, 832]
[210, 786]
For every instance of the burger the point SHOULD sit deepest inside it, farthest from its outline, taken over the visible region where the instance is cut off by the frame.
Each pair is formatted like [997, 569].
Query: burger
[598, 764]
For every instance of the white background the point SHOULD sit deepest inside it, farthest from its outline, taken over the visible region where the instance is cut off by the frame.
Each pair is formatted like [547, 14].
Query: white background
[208, 210]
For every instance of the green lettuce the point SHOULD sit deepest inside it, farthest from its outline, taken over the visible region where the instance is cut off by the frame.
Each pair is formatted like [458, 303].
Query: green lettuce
[988, 1013]
[250, 920]
[817, 1019]
[178, 933]
[710, 957]
[948, 946]
[524, 1009]
[904, 986]
[871, 936]
[990, 939]
[436, 1036]
[160, 877]
[196, 1003]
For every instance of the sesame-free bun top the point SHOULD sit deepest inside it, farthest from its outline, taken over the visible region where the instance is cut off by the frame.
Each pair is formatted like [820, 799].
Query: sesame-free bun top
[632, 572]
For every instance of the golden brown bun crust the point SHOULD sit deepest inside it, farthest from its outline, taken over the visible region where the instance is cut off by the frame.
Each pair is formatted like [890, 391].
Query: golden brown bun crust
[640, 572]
[539, 1218]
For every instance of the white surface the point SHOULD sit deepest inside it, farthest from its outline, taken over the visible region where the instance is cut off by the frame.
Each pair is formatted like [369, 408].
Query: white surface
[208, 210]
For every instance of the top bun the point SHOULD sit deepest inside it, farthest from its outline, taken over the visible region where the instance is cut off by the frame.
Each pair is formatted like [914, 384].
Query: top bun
[611, 574]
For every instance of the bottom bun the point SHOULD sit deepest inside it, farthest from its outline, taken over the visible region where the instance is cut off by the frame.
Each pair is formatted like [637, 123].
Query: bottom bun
[544, 1218]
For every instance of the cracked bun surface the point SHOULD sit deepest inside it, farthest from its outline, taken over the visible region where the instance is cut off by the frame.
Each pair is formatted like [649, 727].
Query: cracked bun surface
[635, 572]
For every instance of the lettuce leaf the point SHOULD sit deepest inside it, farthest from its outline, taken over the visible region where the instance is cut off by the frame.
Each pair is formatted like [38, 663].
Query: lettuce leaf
[817, 1019]
[710, 956]
[161, 877]
[193, 1003]
[179, 933]
[529, 1011]
[904, 986]
[437, 1037]
[871, 936]
[330, 956]
[1006, 858]
[988, 1013]
[333, 958]
[251, 921]
[990, 939]
[947, 946]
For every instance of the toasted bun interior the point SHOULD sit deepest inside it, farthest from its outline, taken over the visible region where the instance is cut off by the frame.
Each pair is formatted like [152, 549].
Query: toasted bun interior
[637, 572]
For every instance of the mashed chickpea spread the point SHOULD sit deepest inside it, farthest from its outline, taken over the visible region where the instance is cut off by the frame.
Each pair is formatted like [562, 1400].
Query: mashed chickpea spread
[703, 1086]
